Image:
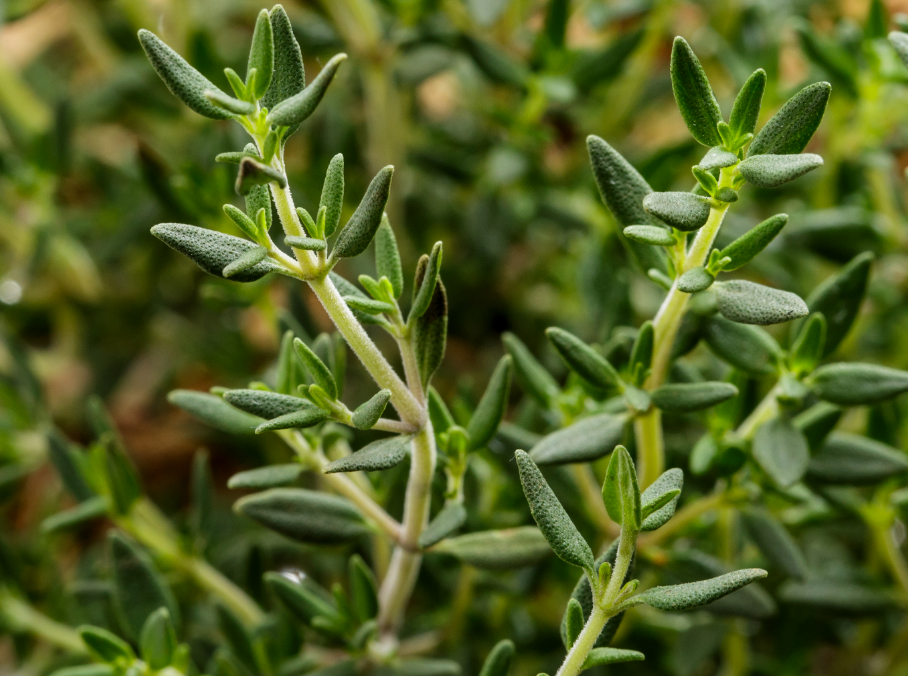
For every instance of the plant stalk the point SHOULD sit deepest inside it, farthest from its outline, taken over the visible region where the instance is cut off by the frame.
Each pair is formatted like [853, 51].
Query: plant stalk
[22, 617]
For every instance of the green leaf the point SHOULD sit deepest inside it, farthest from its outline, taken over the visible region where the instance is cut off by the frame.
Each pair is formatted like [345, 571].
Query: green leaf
[681, 210]
[717, 158]
[259, 198]
[332, 198]
[748, 348]
[586, 440]
[264, 404]
[229, 104]
[747, 246]
[695, 280]
[243, 222]
[621, 493]
[688, 397]
[87, 510]
[448, 521]
[497, 549]
[554, 523]
[359, 231]
[292, 111]
[781, 451]
[305, 600]
[214, 411]
[775, 542]
[491, 408]
[836, 59]
[622, 188]
[122, 479]
[305, 243]
[423, 292]
[66, 460]
[899, 42]
[430, 331]
[877, 20]
[749, 303]
[158, 639]
[212, 251]
[693, 94]
[498, 661]
[379, 455]
[363, 589]
[368, 305]
[642, 354]
[649, 234]
[574, 621]
[771, 171]
[138, 587]
[387, 257]
[707, 181]
[789, 130]
[202, 492]
[261, 54]
[289, 77]
[853, 460]
[183, 81]
[253, 173]
[855, 384]
[496, 64]
[104, 645]
[85, 670]
[580, 357]
[307, 417]
[807, 351]
[837, 596]
[817, 422]
[746, 110]
[238, 639]
[367, 414]
[320, 373]
[839, 298]
[304, 515]
[245, 262]
[266, 477]
[600, 656]
[658, 502]
[695, 594]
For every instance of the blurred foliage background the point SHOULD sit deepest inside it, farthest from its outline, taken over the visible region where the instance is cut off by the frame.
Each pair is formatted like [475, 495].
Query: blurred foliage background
[483, 107]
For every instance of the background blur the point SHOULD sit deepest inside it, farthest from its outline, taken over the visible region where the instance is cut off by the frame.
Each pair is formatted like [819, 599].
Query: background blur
[483, 106]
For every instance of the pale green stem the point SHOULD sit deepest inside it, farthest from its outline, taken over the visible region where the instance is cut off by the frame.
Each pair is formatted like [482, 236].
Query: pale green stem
[592, 498]
[765, 411]
[22, 617]
[586, 641]
[411, 369]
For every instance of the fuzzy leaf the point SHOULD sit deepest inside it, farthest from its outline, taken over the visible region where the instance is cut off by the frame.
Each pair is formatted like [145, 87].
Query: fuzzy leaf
[448, 521]
[261, 54]
[242, 221]
[574, 621]
[775, 542]
[748, 348]
[387, 257]
[498, 549]
[306, 417]
[621, 493]
[360, 229]
[292, 111]
[212, 251]
[600, 656]
[655, 516]
[214, 411]
[855, 384]
[817, 422]
[332, 198]
[289, 77]
[681, 210]
[695, 280]
[305, 243]
[747, 246]
[158, 639]
[265, 404]
[746, 110]
[717, 158]
[781, 450]
[581, 358]
[853, 460]
[270, 476]
[245, 262]
[498, 661]
[554, 523]
[430, 331]
[771, 171]
[839, 298]
[688, 397]
[583, 441]
[696, 594]
[491, 408]
[790, 129]
[649, 234]
[253, 173]
[230, 104]
[368, 413]
[320, 373]
[259, 198]
[304, 515]
[381, 454]
[807, 351]
[748, 303]
[693, 95]
[424, 291]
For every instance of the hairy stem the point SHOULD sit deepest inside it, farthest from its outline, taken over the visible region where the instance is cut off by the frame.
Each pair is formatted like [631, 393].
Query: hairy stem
[586, 641]
[19, 616]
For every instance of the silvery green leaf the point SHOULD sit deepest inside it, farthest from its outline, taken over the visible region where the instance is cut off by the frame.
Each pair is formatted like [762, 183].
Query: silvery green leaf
[899, 42]
[681, 210]
[319, 371]
[359, 231]
[658, 502]
[289, 77]
[447, 522]
[775, 542]
[649, 234]
[245, 262]
[214, 411]
[790, 129]
[637, 399]
[348, 290]
[253, 173]
[532, 376]
[695, 280]
[781, 451]
[497, 549]
[369, 305]
[622, 188]
[688, 397]
[498, 661]
[771, 171]
[305, 243]
[746, 110]
[265, 404]
[855, 384]
[554, 523]
[229, 104]
[695, 594]
[368, 413]
[212, 251]
[839, 298]
[817, 422]
[807, 351]
[261, 54]
[621, 493]
[693, 94]
[599, 656]
[304, 515]
[717, 158]
[138, 587]
[87, 510]
[242, 221]
[581, 358]
[270, 476]
[387, 257]
[422, 294]
[583, 441]
[379, 455]
[306, 417]
[332, 198]
[292, 111]
[748, 348]
[257, 200]
[747, 246]
[749, 303]
[491, 408]
[158, 639]
[837, 596]
[726, 194]
[183, 81]
[853, 460]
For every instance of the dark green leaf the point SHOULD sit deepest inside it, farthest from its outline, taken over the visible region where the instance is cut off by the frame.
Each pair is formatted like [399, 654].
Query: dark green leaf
[642, 355]
[747, 246]
[491, 408]
[781, 450]
[583, 441]
[158, 639]
[242, 221]
[693, 94]
[775, 542]
[261, 54]
[305, 243]
[837, 596]
[430, 331]
[717, 158]
[292, 111]
[266, 477]
[381, 454]
[621, 493]
[307, 417]
[658, 502]
[771, 171]
[122, 480]
[359, 231]
[580, 357]
[790, 129]
[424, 291]
[839, 299]
[104, 645]
[363, 589]
[836, 59]
[238, 639]
[304, 600]
[367, 414]
[245, 262]
[853, 460]
[573, 621]
[65, 459]
[748, 348]
[86, 510]
[855, 384]
[695, 280]
[253, 173]
[746, 110]
[600, 656]
[497, 549]
[304, 515]
[289, 74]
[214, 411]
[817, 422]
[688, 397]
[498, 661]
[332, 198]
[496, 64]
[448, 521]
[681, 210]
[807, 351]
[265, 404]
[749, 303]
